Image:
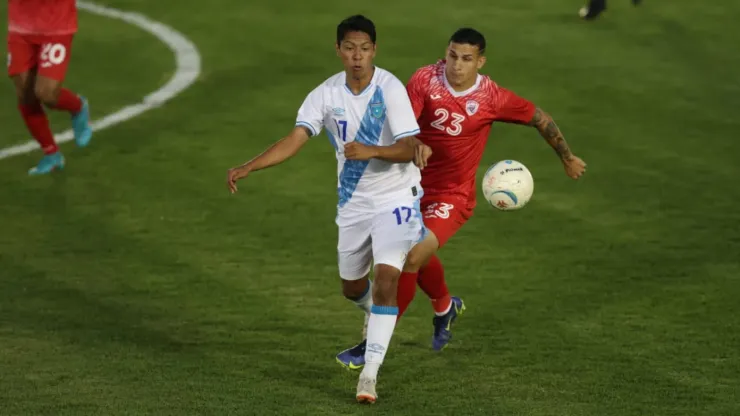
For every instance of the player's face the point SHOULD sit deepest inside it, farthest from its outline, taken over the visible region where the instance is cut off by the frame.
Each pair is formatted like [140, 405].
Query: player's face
[463, 63]
[357, 51]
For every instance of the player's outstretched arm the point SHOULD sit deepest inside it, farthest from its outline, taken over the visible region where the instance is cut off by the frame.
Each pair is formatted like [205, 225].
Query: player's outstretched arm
[404, 150]
[279, 152]
[543, 122]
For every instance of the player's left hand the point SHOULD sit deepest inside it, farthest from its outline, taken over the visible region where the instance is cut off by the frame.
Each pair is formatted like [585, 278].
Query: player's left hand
[422, 153]
[358, 151]
[575, 167]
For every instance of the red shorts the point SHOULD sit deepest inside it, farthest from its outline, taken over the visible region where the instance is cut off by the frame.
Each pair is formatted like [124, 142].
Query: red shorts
[49, 54]
[444, 215]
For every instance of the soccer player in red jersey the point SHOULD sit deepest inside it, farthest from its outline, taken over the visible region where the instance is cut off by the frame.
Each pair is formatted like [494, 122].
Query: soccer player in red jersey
[40, 36]
[455, 107]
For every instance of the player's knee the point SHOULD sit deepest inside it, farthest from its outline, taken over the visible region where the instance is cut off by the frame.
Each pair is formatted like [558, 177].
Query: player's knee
[414, 261]
[47, 93]
[353, 289]
[385, 285]
[421, 253]
[23, 89]
[26, 98]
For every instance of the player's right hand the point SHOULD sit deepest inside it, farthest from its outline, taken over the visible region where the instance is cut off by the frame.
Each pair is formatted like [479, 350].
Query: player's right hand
[422, 154]
[234, 175]
[575, 167]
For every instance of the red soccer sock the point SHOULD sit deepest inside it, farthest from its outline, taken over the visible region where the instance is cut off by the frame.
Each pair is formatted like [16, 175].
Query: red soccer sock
[38, 125]
[432, 282]
[406, 291]
[68, 101]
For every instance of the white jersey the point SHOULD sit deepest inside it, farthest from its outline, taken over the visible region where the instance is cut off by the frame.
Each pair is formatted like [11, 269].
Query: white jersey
[379, 115]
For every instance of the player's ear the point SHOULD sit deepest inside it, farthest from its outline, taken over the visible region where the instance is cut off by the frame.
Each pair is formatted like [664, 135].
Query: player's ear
[481, 61]
[336, 47]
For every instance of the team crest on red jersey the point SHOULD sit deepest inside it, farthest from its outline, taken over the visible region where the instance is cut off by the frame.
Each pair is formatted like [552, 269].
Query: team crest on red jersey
[471, 107]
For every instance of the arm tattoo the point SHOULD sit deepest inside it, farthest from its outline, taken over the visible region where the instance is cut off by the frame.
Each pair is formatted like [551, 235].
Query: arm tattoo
[537, 117]
[551, 133]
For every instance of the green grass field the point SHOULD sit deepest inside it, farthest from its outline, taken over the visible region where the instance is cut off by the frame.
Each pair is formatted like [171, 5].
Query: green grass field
[133, 283]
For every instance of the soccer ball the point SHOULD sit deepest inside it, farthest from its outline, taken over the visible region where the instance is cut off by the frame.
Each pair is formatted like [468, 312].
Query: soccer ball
[508, 185]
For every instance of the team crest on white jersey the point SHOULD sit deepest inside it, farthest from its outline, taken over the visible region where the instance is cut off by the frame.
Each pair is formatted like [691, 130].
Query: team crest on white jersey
[471, 107]
[377, 109]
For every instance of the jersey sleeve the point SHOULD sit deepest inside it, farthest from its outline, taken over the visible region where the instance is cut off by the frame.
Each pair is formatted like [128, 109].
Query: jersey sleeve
[416, 92]
[311, 113]
[512, 108]
[401, 117]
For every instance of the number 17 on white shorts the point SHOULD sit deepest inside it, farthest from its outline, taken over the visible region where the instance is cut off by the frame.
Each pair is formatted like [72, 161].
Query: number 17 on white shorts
[383, 237]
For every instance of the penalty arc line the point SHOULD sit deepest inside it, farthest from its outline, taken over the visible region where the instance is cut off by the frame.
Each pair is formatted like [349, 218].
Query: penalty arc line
[187, 72]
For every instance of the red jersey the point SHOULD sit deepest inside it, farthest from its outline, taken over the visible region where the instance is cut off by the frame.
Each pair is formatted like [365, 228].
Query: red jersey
[456, 126]
[42, 17]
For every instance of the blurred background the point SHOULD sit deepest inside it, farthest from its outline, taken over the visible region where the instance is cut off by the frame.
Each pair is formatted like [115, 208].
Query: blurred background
[133, 283]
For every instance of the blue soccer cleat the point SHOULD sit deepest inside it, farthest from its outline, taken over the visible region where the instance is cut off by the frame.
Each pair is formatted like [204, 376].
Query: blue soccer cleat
[81, 124]
[353, 358]
[443, 324]
[47, 164]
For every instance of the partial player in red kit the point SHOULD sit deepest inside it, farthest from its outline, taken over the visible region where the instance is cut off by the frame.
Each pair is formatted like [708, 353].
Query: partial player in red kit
[40, 36]
[455, 107]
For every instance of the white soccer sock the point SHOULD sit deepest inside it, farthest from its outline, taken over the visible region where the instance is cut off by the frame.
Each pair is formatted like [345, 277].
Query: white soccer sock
[365, 301]
[379, 332]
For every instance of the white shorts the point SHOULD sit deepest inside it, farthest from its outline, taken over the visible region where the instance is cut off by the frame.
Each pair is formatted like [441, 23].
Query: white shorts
[383, 237]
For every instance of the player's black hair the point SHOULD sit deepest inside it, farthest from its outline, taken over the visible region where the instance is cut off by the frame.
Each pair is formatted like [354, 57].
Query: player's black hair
[356, 23]
[469, 36]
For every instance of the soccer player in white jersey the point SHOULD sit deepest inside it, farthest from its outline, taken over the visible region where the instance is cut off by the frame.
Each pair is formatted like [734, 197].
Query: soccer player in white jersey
[368, 117]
